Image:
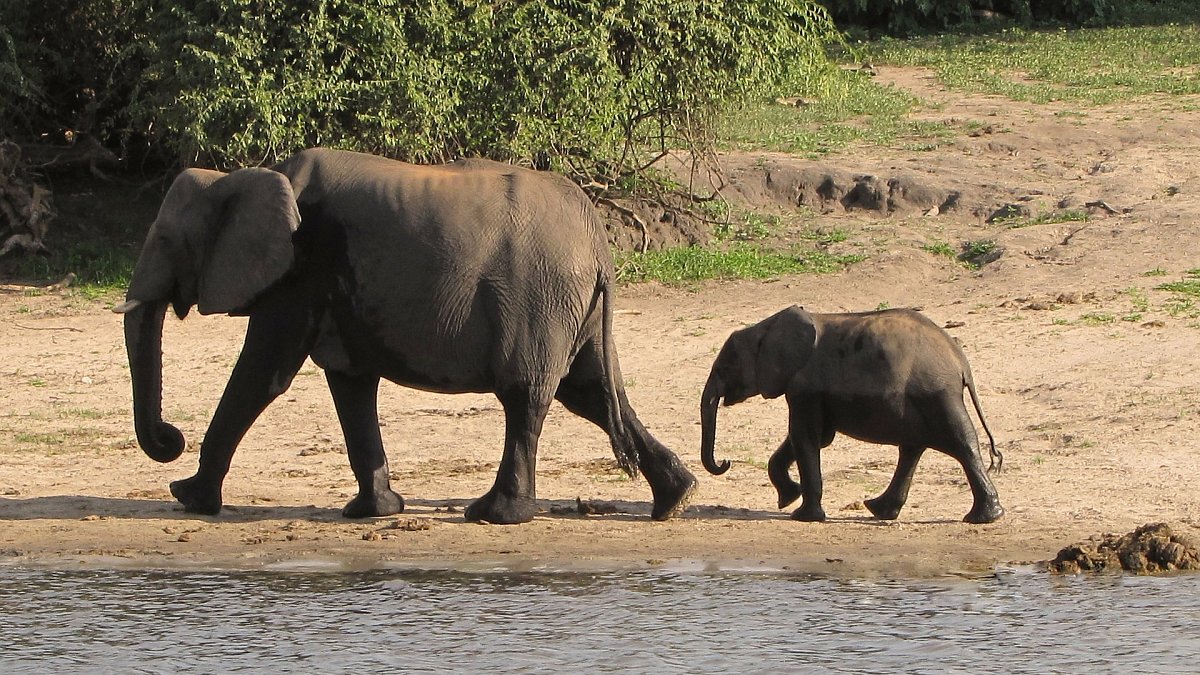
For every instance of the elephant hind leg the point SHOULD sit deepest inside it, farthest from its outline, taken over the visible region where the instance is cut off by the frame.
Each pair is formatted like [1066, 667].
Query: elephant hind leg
[356, 401]
[888, 504]
[582, 392]
[513, 497]
[962, 443]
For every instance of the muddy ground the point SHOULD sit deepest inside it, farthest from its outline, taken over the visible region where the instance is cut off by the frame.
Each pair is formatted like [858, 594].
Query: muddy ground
[1089, 375]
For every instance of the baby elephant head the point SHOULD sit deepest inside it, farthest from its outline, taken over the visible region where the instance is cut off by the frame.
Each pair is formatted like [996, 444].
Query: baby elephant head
[756, 360]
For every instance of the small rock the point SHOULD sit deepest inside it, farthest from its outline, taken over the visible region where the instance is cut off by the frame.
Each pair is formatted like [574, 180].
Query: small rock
[411, 524]
[593, 508]
[1010, 212]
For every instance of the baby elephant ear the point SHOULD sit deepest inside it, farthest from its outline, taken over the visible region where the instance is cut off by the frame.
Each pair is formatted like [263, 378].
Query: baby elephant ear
[253, 245]
[787, 344]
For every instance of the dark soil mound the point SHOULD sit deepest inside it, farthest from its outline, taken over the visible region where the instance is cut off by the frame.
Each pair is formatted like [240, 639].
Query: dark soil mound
[1150, 549]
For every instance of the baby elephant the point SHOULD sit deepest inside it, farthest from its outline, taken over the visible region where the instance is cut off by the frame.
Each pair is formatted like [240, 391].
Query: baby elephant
[890, 376]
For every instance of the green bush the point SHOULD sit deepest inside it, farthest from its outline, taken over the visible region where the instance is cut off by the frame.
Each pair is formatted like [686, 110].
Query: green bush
[588, 85]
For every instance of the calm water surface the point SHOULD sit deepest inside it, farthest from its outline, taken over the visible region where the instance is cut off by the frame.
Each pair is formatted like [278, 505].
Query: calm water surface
[661, 622]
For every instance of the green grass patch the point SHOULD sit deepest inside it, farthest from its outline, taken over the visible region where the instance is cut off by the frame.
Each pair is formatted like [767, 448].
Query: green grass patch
[1189, 285]
[1139, 299]
[940, 248]
[974, 252]
[748, 227]
[849, 109]
[1093, 66]
[1185, 295]
[825, 237]
[738, 261]
[27, 438]
[1051, 218]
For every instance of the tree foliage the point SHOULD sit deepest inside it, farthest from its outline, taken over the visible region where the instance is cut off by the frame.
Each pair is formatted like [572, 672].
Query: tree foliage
[585, 85]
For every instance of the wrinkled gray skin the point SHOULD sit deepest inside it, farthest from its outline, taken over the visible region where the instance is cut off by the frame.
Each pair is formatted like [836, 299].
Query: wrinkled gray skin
[469, 277]
[891, 377]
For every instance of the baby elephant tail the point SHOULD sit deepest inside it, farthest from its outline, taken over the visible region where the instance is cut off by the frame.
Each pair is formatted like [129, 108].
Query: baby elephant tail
[997, 458]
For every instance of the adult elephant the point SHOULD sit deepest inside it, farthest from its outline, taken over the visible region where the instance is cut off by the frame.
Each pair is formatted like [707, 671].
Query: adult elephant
[474, 276]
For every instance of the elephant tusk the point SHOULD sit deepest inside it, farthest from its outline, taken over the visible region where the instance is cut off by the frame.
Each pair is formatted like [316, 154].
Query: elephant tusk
[127, 306]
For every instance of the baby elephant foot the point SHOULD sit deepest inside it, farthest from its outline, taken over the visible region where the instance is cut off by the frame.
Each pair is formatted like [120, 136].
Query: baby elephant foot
[197, 495]
[382, 503]
[883, 508]
[809, 514]
[499, 509]
[989, 512]
[788, 494]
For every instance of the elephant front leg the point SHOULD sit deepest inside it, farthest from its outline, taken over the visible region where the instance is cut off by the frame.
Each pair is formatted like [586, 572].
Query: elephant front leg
[804, 433]
[512, 498]
[356, 401]
[277, 342]
[888, 504]
[778, 469]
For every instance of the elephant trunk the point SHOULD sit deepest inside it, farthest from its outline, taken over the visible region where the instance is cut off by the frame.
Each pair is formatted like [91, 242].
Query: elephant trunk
[143, 342]
[709, 401]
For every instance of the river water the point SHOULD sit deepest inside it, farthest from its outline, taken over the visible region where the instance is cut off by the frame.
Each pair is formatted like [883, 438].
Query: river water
[1015, 621]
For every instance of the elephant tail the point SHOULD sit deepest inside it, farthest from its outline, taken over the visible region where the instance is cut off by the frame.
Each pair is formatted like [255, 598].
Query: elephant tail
[625, 451]
[997, 458]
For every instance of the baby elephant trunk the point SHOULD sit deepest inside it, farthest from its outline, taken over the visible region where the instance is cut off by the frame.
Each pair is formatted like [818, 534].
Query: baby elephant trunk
[709, 401]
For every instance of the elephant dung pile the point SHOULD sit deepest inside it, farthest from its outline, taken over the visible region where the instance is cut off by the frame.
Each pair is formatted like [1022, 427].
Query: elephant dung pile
[1150, 549]
[25, 210]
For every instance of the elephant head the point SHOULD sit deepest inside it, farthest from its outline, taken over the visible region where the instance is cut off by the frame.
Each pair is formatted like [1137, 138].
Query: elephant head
[757, 360]
[218, 242]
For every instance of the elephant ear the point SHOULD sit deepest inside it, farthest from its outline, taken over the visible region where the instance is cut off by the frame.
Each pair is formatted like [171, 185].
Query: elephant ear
[254, 213]
[787, 344]
[155, 275]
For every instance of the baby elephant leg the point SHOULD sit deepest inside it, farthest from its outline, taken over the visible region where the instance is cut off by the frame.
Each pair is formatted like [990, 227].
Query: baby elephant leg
[964, 447]
[888, 504]
[778, 469]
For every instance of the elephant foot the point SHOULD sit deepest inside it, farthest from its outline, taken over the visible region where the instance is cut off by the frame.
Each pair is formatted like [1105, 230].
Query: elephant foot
[809, 514]
[788, 494]
[500, 509]
[990, 512]
[670, 501]
[383, 503]
[671, 484]
[197, 496]
[883, 509]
